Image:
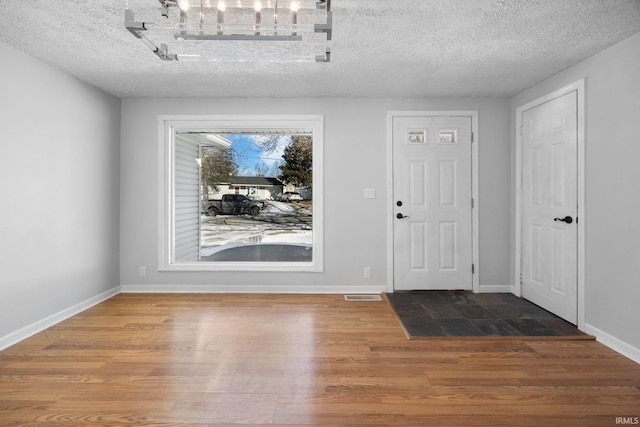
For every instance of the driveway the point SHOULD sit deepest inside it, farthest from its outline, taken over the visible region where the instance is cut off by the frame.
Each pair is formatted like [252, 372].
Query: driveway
[283, 231]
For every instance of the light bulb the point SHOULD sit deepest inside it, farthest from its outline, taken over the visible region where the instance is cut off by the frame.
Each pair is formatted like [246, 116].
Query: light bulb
[257, 6]
[294, 15]
[221, 6]
[183, 4]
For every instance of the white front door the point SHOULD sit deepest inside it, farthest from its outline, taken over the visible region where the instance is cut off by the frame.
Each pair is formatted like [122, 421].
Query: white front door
[432, 228]
[550, 205]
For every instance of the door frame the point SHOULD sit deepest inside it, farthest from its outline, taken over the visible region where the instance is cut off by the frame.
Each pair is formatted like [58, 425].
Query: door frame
[516, 288]
[473, 114]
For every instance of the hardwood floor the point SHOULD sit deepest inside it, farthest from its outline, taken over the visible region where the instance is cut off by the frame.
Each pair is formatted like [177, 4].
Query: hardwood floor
[208, 360]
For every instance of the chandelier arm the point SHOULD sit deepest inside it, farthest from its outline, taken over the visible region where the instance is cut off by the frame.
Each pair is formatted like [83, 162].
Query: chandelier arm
[321, 5]
[326, 28]
[137, 27]
[131, 24]
[324, 58]
[165, 4]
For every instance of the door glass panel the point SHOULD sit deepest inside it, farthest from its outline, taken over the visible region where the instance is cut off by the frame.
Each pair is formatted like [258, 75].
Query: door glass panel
[415, 136]
[447, 136]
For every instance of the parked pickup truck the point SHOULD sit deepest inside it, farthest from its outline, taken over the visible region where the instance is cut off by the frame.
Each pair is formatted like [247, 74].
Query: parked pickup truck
[233, 204]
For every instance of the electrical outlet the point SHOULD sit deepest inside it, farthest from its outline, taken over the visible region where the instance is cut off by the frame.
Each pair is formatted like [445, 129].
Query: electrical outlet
[142, 271]
[369, 193]
[367, 273]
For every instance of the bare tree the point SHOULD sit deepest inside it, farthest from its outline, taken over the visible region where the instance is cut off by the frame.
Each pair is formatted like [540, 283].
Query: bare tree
[218, 163]
[261, 169]
[268, 143]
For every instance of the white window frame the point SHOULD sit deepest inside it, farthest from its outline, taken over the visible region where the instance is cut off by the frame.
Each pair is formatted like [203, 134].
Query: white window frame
[168, 125]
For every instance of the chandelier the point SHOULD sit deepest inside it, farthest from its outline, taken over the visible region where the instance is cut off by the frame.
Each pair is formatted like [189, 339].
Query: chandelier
[249, 30]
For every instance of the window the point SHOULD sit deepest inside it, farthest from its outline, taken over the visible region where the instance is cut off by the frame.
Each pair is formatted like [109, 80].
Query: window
[241, 193]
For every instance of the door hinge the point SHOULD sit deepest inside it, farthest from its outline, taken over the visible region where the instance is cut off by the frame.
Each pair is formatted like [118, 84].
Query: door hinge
[473, 268]
[472, 137]
[521, 281]
[521, 130]
[472, 203]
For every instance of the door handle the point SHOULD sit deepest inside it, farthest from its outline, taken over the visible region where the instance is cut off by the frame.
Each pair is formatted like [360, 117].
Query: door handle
[566, 219]
[400, 216]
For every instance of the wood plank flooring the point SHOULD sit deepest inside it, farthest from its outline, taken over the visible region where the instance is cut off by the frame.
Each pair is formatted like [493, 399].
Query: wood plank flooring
[283, 360]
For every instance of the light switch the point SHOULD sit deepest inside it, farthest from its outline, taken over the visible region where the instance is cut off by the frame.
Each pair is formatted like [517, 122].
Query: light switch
[369, 193]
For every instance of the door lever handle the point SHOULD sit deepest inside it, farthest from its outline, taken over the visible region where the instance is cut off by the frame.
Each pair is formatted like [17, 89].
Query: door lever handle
[566, 219]
[400, 216]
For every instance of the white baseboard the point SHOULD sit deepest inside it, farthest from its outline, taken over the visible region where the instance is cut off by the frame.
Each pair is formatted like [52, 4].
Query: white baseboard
[40, 325]
[614, 343]
[254, 289]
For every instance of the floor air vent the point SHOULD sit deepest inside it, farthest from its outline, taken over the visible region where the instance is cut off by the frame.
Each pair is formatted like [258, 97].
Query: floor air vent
[362, 298]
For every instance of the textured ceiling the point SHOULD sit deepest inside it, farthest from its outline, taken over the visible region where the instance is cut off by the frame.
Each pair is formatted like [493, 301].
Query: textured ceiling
[380, 48]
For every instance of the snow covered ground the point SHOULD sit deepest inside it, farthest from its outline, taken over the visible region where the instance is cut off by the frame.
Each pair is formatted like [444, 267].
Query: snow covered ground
[281, 208]
[278, 222]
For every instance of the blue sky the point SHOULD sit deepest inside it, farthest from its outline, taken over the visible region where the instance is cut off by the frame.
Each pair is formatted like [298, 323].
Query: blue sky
[248, 154]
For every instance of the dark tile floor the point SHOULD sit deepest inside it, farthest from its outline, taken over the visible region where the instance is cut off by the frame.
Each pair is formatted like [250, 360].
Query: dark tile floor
[465, 314]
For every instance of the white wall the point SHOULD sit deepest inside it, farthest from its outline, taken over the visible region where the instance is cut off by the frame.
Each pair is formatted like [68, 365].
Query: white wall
[355, 157]
[59, 192]
[612, 204]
